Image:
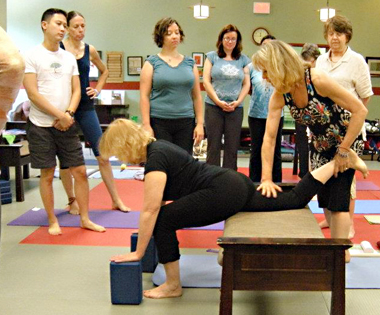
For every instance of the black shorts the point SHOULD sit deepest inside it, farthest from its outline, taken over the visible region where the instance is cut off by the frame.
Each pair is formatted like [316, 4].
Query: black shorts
[335, 194]
[45, 143]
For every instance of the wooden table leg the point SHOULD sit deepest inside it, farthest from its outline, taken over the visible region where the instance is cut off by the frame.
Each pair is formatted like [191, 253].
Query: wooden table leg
[26, 173]
[226, 291]
[338, 292]
[19, 184]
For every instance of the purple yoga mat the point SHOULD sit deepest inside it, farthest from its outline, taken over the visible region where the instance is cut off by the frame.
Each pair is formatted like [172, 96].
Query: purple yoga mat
[364, 185]
[106, 218]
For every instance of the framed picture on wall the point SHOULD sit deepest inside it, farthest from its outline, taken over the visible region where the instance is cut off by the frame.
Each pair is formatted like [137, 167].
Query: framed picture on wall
[374, 65]
[94, 72]
[199, 58]
[134, 64]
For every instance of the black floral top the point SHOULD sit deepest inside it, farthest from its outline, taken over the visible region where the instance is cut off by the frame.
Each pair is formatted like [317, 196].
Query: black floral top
[327, 122]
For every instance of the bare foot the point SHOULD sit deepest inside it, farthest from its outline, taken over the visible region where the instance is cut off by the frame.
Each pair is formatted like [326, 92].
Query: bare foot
[323, 224]
[73, 207]
[89, 225]
[352, 232]
[120, 206]
[54, 229]
[164, 291]
[348, 256]
[357, 163]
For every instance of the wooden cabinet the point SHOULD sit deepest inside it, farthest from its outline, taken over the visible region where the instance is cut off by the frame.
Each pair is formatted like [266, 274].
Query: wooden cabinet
[108, 113]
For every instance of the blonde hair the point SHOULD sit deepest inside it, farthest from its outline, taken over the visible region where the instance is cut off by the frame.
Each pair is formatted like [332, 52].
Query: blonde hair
[126, 140]
[283, 65]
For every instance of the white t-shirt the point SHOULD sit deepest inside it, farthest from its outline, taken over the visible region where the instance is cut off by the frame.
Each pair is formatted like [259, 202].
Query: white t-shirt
[54, 72]
[351, 71]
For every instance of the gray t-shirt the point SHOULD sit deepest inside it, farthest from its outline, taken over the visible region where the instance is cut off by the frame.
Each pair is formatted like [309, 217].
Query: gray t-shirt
[171, 95]
[227, 77]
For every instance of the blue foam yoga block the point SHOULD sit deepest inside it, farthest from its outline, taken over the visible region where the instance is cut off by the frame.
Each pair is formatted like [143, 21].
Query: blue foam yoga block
[150, 260]
[126, 282]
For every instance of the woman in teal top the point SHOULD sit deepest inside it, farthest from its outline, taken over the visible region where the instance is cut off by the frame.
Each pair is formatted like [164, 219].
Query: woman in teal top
[226, 81]
[170, 96]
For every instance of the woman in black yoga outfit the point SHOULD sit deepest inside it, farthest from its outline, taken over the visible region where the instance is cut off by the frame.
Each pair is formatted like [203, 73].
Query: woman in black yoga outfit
[202, 194]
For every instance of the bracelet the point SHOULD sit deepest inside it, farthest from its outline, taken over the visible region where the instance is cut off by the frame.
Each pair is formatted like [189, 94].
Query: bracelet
[70, 112]
[97, 92]
[347, 149]
[343, 155]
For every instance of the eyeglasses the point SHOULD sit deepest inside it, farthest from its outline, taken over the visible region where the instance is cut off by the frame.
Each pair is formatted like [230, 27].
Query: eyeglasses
[231, 40]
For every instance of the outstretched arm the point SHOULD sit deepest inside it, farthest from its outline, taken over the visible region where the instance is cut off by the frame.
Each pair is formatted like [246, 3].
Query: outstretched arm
[154, 186]
[11, 74]
[267, 187]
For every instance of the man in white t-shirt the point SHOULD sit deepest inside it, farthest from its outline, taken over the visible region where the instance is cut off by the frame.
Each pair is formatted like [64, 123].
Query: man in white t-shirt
[52, 83]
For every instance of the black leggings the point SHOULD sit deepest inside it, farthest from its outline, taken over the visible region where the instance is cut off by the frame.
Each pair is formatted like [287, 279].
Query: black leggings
[227, 194]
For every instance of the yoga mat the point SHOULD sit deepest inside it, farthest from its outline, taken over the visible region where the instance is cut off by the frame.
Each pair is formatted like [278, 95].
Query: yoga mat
[361, 206]
[125, 174]
[117, 237]
[131, 193]
[197, 271]
[95, 162]
[363, 230]
[366, 185]
[203, 271]
[108, 219]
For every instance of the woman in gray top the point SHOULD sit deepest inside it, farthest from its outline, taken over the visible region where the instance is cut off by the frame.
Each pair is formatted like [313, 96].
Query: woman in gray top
[170, 96]
[226, 81]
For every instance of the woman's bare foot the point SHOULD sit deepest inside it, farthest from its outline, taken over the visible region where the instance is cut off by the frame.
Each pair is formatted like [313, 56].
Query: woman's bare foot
[54, 229]
[164, 291]
[323, 224]
[357, 163]
[352, 232]
[120, 206]
[348, 256]
[89, 225]
[73, 206]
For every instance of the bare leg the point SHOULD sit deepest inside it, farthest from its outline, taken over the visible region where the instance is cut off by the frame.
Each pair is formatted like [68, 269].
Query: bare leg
[107, 176]
[82, 191]
[352, 211]
[67, 183]
[340, 227]
[47, 196]
[326, 222]
[171, 288]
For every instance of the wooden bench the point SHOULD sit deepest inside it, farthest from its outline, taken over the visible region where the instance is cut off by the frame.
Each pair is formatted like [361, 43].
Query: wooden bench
[17, 156]
[280, 251]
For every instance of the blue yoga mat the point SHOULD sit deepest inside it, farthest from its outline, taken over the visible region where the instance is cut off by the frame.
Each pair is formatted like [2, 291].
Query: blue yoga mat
[95, 162]
[106, 218]
[203, 271]
[125, 174]
[361, 206]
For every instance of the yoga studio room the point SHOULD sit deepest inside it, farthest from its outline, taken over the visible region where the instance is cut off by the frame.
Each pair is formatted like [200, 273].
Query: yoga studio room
[189, 157]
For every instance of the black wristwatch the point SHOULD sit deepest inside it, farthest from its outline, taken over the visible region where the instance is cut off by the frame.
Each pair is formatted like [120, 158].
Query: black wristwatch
[71, 113]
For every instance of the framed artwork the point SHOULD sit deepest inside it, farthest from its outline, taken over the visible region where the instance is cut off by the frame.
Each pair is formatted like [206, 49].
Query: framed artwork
[199, 58]
[134, 64]
[94, 72]
[374, 65]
